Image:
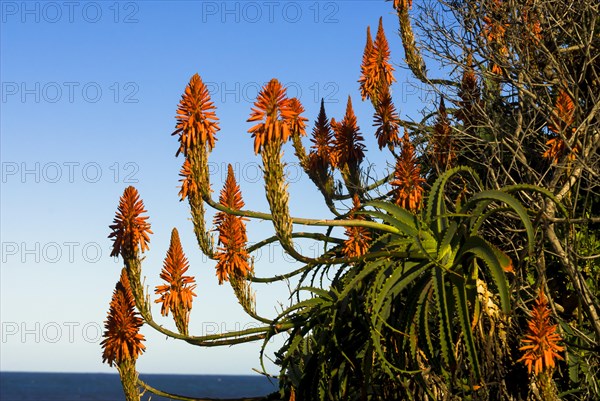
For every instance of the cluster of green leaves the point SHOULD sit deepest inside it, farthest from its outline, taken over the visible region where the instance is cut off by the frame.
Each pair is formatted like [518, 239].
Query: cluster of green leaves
[409, 307]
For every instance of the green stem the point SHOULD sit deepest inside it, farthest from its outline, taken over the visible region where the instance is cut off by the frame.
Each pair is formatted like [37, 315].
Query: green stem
[303, 221]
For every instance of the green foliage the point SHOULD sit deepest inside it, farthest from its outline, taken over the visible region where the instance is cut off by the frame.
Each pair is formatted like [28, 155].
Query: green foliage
[380, 319]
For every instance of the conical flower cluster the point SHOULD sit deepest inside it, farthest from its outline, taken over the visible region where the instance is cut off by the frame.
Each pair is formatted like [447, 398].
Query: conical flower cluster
[131, 231]
[561, 121]
[196, 119]
[348, 143]
[387, 122]
[322, 147]
[443, 144]
[376, 69]
[408, 182]
[232, 257]
[178, 293]
[470, 95]
[122, 341]
[541, 341]
[359, 238]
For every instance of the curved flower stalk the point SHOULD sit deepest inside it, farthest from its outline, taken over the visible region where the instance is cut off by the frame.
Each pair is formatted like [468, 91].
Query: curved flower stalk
[197, 125]
[232, 256]
[177, 295]
[122, 343]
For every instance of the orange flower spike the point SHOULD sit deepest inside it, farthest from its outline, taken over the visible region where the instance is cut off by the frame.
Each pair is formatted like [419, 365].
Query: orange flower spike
[322, 139]
[377, 71]
[443, 148]
[387, 122]
[196, 118]
[232, 257]
[564, 108]
[130, 230]
[562, 118]
[359, 238]
[382, 55]
[122, 340]
[269, 105]
[407, 178]
[365, 67]
[349, 149]
[178, 293]
[541, 341]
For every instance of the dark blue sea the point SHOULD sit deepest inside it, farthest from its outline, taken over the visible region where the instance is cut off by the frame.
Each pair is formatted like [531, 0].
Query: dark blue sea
[28, 386]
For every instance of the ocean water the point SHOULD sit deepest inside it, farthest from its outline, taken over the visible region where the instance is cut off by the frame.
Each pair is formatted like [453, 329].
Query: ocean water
[30, 386]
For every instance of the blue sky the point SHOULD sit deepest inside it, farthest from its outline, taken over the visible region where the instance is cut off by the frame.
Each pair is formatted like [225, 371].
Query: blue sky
[89, 93]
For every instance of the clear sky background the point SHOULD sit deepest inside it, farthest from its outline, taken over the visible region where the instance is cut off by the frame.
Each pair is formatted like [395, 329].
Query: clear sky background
[89, 94]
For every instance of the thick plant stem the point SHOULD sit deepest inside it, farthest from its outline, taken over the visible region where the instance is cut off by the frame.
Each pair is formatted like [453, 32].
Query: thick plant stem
[277, 194]
[199, 165]
[129, 378]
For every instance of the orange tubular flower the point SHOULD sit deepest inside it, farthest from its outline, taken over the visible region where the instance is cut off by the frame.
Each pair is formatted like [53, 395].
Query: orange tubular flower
[130, 229]
[386, 121]
[196, 118]
[178, 293]
[271, 108]
[407, 178]
[188, 185]
[122, 340]
[232, 256]
[443, 147]
[291, 113]
[402, 4]
[541, 342]
[359, 238]
[564, 109]
[377, 71]
[349, 149]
